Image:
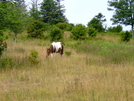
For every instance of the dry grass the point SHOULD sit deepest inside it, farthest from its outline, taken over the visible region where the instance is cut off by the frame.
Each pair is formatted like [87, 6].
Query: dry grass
[108, 37]
[67, 78]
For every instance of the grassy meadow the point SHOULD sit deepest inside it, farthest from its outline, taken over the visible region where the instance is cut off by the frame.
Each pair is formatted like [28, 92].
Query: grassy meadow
[100, 69]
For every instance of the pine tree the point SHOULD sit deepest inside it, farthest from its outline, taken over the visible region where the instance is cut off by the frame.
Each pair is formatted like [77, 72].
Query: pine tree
[34, 10]
[123, 12]
[52, 12]
[97, 22]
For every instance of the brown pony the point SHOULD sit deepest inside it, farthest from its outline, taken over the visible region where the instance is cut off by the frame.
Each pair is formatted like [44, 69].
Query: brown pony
[4, 44]
[56, 47]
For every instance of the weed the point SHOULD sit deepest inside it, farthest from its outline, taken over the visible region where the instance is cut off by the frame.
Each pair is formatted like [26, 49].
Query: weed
[68, 53]
[33, 58]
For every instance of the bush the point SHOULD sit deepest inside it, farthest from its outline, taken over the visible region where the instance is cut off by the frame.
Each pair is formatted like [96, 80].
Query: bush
[56, 34]
[91, 32]
[117, 29]
[125, 36]
[6, 63]
[62, 26]
[33, 58]
[68, 53]
[70, 27]
[78, 32]
[35, 29]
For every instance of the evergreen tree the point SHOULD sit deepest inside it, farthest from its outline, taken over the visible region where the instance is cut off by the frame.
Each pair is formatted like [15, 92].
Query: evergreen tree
[124, 12]
[20, 3]
[13, 18]
[52, 12]
[100, 17]
[34, 11]
[97, 22]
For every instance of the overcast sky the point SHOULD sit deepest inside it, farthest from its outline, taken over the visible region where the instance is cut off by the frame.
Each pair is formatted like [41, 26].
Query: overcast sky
[82, 11]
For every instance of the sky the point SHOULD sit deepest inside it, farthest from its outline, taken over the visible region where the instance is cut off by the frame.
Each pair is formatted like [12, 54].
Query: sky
[82, 11]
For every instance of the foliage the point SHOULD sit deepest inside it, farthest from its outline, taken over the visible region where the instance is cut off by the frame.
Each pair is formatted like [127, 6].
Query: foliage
[35, 29]
[117, 29]
[52, 12]
[4, 17]
[97, 22]
[78, 32]
[100, 17]
[6, 63]
[91, 32]
[69, 26]
[33, 57]
[56, 34]
[1, 40]
[125, 36]
[19, 3]
[123, 12]
[13, 17]
[62, 26]
[68, 53]
[34, 12]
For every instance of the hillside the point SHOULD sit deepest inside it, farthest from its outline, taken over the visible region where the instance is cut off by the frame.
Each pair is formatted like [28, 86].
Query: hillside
[99, 69]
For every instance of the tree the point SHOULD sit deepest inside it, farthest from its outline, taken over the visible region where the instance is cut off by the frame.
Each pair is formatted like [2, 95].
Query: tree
[3, 23]
[124, 12]
[17, 20]
[14, 18]
[100, 17]
[97, 22]
[52, 12]
[19, 3]
[34, 12]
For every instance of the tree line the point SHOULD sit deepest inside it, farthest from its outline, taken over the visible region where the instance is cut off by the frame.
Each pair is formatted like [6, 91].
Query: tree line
[49, 14]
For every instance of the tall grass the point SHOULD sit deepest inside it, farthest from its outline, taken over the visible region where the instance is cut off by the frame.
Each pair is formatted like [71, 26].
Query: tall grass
[109, 52]
[95, 71]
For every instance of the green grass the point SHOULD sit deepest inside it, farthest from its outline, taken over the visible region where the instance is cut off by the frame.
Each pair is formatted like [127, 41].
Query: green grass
[116, 53]
[99, 69]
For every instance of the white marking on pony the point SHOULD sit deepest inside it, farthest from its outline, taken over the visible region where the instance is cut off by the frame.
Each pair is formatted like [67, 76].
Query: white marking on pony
[56, 45]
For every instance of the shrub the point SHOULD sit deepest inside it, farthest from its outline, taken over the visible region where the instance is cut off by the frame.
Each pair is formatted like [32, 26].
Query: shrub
[91, 32]
[78, 32]
[70, 27]
[68, 53]
[56, 34]
[35, 29]
[62, 26]
[125, 36]
[33, 58]
[6, 63]
[115, 29]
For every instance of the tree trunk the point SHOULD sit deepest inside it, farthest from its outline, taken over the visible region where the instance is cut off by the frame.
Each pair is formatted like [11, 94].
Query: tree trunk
[15, 37]
[132, 31]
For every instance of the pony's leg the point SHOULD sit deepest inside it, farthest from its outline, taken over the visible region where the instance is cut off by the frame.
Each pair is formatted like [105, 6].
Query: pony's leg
[51, 55]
